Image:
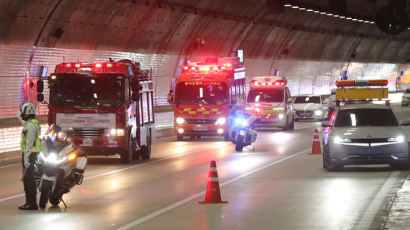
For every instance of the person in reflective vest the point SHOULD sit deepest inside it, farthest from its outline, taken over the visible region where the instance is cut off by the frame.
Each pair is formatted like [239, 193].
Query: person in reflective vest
[30, 147]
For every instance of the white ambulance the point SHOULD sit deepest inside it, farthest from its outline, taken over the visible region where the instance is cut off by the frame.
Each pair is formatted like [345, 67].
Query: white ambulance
[270, 100]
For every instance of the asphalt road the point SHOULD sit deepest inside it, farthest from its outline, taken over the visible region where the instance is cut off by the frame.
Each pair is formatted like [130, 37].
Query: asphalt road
[276, 186]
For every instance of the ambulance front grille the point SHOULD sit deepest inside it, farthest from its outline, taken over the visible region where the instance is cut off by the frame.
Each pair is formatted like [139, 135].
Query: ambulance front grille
[88, 132]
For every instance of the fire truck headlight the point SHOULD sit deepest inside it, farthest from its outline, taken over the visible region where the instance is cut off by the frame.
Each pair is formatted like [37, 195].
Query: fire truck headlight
[120, 132]
[180, 131]
[180, 120]
[113, 132]
[280, 116]
[220, 121]
[318, 112]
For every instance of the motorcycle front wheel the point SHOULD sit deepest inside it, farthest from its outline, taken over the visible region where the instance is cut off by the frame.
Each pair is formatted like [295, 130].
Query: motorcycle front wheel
[45, 192]
[55, 199]
[238, 147]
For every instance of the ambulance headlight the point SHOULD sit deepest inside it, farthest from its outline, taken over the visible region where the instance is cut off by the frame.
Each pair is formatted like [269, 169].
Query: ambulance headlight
[117, 132]
[180, 120]
[318, 112]
[221, 121]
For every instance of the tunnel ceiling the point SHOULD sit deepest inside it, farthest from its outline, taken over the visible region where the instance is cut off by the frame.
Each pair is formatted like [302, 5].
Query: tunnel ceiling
[204, 27]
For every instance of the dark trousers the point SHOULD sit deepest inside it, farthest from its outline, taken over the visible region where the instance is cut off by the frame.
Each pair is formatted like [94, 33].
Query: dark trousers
[29, 181]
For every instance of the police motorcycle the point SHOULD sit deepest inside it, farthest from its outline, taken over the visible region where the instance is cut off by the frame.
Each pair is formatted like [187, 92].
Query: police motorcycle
[243, 132]
[61, 168]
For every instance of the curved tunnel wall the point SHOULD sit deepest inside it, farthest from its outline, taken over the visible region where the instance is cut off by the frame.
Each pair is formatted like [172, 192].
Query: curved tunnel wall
[309, 49]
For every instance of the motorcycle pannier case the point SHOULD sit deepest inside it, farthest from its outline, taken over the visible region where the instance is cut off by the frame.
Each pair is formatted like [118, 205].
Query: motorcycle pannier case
[81, 163]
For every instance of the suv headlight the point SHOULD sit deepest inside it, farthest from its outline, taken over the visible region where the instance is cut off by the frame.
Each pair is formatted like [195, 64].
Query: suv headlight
[399, 138]
[221, 121]
[318, 112]
[180, 120]
[338, 140]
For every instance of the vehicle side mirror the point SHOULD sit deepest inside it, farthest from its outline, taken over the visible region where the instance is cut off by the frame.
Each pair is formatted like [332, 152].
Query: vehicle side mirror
[289, 100]
[135, 96]
[405, 123]
[40, 97]
[170, 98]
[40, 86]
[325, 124]
[135, 86]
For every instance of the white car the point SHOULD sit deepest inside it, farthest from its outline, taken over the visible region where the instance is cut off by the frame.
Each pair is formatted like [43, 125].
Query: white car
[405, 100]
[365, 133]
[309, 107]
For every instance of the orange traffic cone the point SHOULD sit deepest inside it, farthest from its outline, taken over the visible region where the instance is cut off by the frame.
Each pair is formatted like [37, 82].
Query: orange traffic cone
[316, 143]
[213, 194]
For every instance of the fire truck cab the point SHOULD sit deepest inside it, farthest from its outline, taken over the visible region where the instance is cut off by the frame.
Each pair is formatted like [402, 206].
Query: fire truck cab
[109, 107]
[206, 94]
[270, 100]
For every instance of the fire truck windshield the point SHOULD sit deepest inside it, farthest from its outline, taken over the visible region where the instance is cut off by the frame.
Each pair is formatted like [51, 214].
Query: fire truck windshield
[72, 91]
[265, 95]
[208, 93]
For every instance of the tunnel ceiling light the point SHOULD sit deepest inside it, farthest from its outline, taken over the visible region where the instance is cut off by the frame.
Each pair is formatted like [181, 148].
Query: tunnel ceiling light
[316, 11]
[360, 20]
[354, 19]
[329, 14]
[322, 12]
[348, 18]
[302, 8]
[309, 10]
[371, 22]
[336, 16]
[295, 7]
[287, 5]
[342, 17]
[366, 21]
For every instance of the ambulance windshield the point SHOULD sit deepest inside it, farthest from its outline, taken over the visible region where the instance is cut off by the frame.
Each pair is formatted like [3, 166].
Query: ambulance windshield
[207, 93]
[86, 92]
[265, 95]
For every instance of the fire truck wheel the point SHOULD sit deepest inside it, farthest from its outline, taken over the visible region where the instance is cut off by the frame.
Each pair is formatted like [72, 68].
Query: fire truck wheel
[226, 137]
[146, 149]
[286, 125]
[180, 137]
[127, 154]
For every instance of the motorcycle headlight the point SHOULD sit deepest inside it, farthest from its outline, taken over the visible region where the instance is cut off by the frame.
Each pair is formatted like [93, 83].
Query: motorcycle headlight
[51, 158]
[399, 139]
[242, 122]
[221, 121]
[338, 140]
[318, 112]
[180, 120]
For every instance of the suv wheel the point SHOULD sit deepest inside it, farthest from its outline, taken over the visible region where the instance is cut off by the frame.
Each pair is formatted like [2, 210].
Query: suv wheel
[329, 165]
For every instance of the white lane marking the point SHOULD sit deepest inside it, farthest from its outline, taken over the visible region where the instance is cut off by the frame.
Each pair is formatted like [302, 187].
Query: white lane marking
[118, 170]
[367, 218]
[305, 127]
[8, 166]
[195, 196]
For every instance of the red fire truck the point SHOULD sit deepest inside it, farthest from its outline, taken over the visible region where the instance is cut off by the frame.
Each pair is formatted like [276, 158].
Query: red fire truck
[205, 95]
[109, 106]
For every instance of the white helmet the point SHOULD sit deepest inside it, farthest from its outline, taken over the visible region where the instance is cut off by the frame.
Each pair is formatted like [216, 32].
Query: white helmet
[27, 109]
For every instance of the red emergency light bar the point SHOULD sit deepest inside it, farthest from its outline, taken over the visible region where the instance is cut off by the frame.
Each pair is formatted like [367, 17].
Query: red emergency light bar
[275, 83]
[203, 68]
[93, 68]
[344, 83]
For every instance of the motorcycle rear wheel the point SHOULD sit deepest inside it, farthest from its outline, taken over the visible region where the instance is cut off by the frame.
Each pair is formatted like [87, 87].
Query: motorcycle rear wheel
[45, 191]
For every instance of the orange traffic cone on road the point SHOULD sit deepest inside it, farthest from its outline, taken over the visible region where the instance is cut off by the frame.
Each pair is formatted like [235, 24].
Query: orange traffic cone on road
[316, 149]
[213, 194]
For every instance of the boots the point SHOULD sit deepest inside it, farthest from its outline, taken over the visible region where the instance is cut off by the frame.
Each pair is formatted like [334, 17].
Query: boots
[31, 201]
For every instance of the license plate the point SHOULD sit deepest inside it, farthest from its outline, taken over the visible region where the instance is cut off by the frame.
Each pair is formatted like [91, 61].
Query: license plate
[370, 151]
[87, 142]
[200, 128]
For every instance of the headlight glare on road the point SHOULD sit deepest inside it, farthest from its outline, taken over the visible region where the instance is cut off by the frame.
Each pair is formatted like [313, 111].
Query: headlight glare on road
[338, 140]
[221, 121]
[180, 120]
[399, 139]
[318, 112]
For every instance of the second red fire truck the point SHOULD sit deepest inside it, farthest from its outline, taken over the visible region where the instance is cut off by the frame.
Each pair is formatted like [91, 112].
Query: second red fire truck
[108, 105]
[205, 95]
